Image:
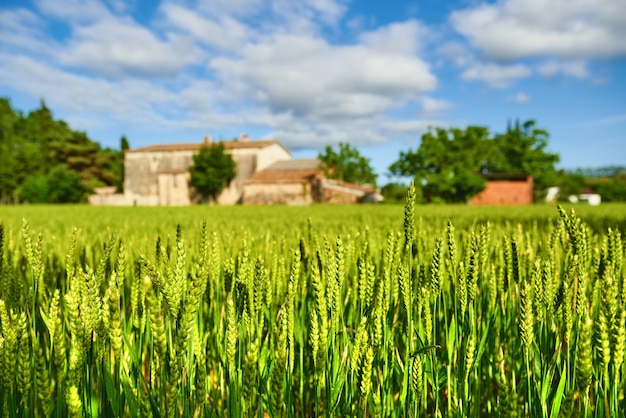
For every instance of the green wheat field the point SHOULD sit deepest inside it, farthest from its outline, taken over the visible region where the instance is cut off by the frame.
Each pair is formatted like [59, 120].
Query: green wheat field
[380, 310]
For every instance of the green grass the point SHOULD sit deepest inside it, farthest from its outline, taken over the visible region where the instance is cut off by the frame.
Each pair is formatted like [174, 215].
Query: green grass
[147, 222]
[320, 310]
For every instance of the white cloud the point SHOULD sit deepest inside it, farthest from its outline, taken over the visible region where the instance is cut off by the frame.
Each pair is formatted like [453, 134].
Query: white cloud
[320, 11]
[224, 32]
[198, 66]
[576, 69]
[431, 107]
[311, 78]
[197, 97]
[74, 11]
[223, 7]
[302, 134]
[456, 52]
[496, 75]
[409, 128]
[131, 100]
[277, 16]
[304, 14]
[121, 6]
[402, 38]
[520, 97]
[21, 31]
[115, 48]
[512, 29]
[329, 11]
[19, 20]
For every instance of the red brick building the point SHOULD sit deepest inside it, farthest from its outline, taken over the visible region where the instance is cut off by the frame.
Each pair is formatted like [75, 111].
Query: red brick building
[506, 189]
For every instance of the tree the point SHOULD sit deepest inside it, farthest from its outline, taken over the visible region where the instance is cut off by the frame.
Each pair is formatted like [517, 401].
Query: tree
[522, 150]
[61, 185]
[612, 189]
[212, 170]
[65, 186]
[116, 163]
[10, 139]
[394, 192]
[35, 189]
[347, 165]
[606, 171]
[32, 146]
[569, 184]
[121, 169]
[124, 144]
[449, 163]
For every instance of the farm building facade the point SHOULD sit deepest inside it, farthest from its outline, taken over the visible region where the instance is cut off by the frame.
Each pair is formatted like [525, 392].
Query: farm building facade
[302, 182]
[505, 189]
[266, 174]
[159, 174]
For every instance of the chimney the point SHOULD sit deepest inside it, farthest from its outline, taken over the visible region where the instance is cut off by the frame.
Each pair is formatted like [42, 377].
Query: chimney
[207, 139]
[243, 137]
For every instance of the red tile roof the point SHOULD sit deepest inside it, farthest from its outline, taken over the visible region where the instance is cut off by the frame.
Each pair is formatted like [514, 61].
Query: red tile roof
[351, 186]
[506, 176]
[298, 170]
[197, 145]
[282, 176]
[295, 164]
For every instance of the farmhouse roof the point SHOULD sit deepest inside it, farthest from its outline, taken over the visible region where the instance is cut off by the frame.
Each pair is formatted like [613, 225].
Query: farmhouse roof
[588, 191]
[287, 171]
[296, 164]
[195, 146]
[350, 187]
[506, 176]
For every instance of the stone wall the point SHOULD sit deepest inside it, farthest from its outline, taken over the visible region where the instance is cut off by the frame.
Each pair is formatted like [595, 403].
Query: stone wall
[108, 199]
[279, 193]
[270, 154]
[174, 189]
[338, 196]
[142, 169]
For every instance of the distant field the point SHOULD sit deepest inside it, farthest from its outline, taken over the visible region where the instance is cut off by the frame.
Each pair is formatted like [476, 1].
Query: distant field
[369, 310]
[150, 221]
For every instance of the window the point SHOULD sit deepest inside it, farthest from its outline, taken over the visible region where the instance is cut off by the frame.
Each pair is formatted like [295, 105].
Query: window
[174, 180]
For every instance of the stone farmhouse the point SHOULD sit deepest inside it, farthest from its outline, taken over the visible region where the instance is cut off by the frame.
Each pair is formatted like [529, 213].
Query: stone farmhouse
[266, 174]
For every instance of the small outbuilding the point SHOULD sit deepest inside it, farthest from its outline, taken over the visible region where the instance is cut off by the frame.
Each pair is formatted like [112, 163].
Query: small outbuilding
[292, 182]
[335, 191]
[587, 195]
[302, 182]
[505, 189]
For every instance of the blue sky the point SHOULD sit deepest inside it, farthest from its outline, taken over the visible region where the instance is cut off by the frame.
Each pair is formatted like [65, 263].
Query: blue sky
[311, 73]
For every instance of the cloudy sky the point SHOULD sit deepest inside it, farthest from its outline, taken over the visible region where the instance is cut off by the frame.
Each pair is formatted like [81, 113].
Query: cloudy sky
[313, 73]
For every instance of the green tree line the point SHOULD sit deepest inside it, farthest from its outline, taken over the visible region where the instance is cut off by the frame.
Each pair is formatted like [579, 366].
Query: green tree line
[449, 165]
[609, 182]
[347, 164]
[43, 160]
